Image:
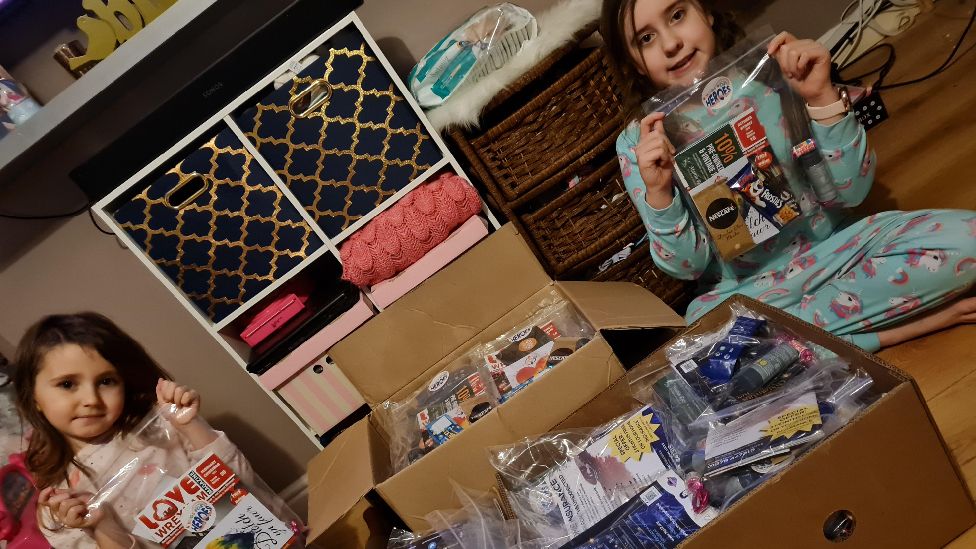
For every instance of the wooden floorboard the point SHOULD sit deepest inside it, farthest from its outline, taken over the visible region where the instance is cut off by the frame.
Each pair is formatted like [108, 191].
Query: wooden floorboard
[926, 157]
[939, 361]
[968, 539]
[953, 413]
[945, 369]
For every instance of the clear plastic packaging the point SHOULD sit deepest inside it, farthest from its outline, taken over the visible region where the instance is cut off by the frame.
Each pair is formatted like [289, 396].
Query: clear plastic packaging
[742, 185]
[478, 524]
[840, 396]
[519, 357]
[731, 435]
[405, 539]
[481, 45]
[451, 401]
[481, 379]
[717, 432]
[745, 358]
[216, 501]
[563, 483]
[660, 517]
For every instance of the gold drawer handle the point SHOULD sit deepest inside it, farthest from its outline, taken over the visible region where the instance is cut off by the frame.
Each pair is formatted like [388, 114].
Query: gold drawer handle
[311, 99]
[184, 187]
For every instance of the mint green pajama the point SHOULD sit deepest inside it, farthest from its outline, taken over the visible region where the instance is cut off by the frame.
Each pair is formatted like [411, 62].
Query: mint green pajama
[849, 277]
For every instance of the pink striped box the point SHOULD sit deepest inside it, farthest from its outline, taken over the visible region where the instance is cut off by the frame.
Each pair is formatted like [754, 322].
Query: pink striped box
[463, 238]
[317, 345]
[321, 395]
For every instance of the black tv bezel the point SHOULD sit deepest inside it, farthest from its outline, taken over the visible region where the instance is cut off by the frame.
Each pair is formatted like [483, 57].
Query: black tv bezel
[223, 81]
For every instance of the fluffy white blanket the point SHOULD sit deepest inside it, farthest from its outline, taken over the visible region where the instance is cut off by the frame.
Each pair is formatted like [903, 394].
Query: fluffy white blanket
[556, 27]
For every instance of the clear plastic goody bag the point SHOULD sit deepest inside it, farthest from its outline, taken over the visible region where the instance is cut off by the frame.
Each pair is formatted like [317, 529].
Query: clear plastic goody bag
[746, 160]
[535, 346]
[168, 495]
[563, 483]
[483, 378]
[439, 410]
[483, 44]
[478, 524]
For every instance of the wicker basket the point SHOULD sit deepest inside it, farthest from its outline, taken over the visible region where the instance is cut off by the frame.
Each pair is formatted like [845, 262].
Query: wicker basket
[582, 222]
[572, 116]
[640, 269]
[559, 120]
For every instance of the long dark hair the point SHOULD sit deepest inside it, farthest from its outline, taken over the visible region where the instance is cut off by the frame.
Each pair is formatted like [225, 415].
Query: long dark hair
[48, 452]
[617, 15]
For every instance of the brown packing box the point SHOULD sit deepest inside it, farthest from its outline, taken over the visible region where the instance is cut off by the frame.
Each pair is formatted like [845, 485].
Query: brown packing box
[889, 468]
[488, 291]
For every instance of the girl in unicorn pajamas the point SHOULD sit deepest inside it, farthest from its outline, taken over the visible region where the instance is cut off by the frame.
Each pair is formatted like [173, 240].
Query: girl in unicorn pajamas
[877, 281]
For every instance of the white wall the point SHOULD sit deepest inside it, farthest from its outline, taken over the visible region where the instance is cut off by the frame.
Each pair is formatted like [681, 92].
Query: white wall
[406, 29]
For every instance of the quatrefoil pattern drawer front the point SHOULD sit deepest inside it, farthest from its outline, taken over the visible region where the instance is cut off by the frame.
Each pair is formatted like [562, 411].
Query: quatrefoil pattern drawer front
[346, 155]
[218, 227]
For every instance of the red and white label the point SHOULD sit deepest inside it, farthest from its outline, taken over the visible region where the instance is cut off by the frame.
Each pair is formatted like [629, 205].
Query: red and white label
[162, 520]
[749, 131]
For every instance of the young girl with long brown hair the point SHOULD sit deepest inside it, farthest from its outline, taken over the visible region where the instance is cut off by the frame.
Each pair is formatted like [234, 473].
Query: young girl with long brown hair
[84, 385]
[877, 281]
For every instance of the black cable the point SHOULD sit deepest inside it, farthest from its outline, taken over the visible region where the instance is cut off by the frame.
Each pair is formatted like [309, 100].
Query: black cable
[91, 215]
[943, 66]
[49, 216]
[851, 32]
[883, 69]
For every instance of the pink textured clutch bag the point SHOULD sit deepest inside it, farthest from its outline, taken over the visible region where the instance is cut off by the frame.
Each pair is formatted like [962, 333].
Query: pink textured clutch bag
[273, 317]
[400, 236]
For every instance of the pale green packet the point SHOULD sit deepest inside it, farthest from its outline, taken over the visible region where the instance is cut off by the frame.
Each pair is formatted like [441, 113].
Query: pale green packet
[481, 45]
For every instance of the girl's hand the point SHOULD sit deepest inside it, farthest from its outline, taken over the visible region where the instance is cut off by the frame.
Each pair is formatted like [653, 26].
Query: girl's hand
[806, 67]
[70, 508]
[186, 400]
[655, 161]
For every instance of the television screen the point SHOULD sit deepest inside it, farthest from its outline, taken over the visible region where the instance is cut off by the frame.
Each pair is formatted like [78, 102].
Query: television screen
[6, 5]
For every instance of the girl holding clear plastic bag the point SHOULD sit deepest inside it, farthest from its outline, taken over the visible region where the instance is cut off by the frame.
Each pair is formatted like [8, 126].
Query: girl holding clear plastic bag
[861, 280]
[87, 389]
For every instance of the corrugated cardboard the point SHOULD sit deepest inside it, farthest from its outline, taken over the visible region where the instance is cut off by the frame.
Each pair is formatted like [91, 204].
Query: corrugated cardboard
[423, 487]
[479, 297]
[889, 467]
[440, 315]
[343, 458]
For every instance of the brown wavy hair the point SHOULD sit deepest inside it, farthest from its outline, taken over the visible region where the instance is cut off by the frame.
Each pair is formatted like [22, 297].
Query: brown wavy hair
[48, 453]
[616, 15]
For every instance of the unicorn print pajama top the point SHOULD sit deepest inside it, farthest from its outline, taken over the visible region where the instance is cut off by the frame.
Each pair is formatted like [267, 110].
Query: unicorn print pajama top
[852, 278]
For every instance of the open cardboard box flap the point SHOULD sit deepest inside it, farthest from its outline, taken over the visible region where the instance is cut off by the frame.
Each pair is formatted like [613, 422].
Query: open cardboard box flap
[346, 458]
[619, 305]
[886, 466]
[480, 296]
[463, 300]
[538, 409]
[445, 311]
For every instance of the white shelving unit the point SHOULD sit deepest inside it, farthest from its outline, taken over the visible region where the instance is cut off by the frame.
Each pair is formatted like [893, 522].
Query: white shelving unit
[76, 97]
[237, 350]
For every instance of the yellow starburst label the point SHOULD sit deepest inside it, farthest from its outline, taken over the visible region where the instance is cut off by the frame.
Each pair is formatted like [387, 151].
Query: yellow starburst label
[802, 419]
[633, 438]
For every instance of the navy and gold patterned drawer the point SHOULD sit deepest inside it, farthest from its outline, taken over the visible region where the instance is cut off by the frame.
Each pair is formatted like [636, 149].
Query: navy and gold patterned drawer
[218, 226]
[340, 134]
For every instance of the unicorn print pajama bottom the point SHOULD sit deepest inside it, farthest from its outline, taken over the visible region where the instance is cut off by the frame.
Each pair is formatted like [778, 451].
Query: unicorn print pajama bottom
[870, 275]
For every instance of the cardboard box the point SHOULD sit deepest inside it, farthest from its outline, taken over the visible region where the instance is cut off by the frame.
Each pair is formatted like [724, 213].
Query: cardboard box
[485, 293]
[889, 467]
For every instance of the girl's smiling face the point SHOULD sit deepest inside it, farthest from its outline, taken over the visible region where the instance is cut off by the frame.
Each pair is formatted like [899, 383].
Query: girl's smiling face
[671, 41]
[80, 393]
